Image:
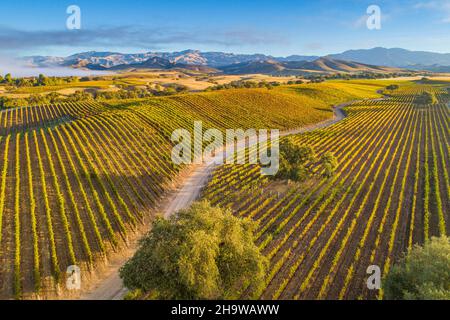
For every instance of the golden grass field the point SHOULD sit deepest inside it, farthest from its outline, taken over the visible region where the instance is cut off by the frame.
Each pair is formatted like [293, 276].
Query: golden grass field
[195, 82]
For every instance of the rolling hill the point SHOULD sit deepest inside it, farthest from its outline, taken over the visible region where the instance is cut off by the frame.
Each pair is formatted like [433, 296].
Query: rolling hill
[396, 57]
[162, 64]
[187, 57]
[321, 65]
[79, 179]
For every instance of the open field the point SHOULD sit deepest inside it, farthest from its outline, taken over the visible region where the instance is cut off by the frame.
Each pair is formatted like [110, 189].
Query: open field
[79, 179]
[391, 190]
[194, 82]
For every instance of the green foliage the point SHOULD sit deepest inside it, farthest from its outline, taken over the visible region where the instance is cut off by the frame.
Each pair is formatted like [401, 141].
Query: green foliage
[82, 95]
[291, 82]
[328, 163]
[242, 84]
[41, 80]
[392, 87]
[294, 153]
[6, 102]
[288, 171]
[201, 253]
[426, 98]
[423, 274]
[294, 160]
[8, 78]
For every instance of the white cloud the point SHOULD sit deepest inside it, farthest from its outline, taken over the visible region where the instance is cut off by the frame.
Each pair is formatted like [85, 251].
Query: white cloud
[129, 36]
[441, 6]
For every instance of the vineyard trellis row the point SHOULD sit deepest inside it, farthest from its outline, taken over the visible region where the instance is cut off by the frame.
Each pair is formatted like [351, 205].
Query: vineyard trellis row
[83, 176]
[321, 237]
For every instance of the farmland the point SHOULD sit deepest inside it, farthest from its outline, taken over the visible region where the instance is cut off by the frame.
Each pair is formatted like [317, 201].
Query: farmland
[390, 191]
[111, 82]
[79, 180]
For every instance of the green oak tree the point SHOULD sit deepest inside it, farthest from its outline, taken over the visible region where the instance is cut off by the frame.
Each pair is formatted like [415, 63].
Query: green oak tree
[203, 252]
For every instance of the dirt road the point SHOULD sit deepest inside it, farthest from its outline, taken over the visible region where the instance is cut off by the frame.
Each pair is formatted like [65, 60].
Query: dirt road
[111, 287]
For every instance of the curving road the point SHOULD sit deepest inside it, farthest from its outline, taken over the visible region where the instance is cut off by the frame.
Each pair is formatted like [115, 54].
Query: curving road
[111, 286]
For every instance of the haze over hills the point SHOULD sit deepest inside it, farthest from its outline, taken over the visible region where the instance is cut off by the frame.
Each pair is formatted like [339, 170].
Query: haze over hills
[349, 61]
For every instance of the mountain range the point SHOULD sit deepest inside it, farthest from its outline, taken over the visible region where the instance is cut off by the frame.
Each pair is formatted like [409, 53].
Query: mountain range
[189, 57]
[319, 65]
[348, 61]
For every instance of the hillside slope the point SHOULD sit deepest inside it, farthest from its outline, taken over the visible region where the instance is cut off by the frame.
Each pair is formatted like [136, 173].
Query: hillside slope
[321, 65]
[395, 57]
[80, 179]
[321, 233]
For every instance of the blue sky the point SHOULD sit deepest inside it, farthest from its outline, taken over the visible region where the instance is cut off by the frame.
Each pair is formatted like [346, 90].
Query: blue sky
[272, 27]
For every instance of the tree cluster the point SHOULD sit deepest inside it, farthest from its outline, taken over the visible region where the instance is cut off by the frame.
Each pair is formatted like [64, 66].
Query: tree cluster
[81, 95]
[241, 84]
[41, 80]
[291, 82]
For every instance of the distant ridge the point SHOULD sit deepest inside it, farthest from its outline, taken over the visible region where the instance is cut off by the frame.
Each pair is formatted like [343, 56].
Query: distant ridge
[320, 65]
[106, 60]
[396, 57]
[348, 61]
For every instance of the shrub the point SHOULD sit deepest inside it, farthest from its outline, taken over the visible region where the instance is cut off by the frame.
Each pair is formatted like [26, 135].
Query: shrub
[422, 274]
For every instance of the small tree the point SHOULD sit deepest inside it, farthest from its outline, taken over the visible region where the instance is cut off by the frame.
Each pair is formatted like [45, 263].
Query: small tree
[392, 87]
[296, 153]
[293, 160]
[201, 253]
[8, 78]
[42, 80]
[426, 98]
[422, 274]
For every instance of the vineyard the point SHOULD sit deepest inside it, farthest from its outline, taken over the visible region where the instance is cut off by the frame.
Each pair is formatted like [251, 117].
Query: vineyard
[390, 191]
[78, 179]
